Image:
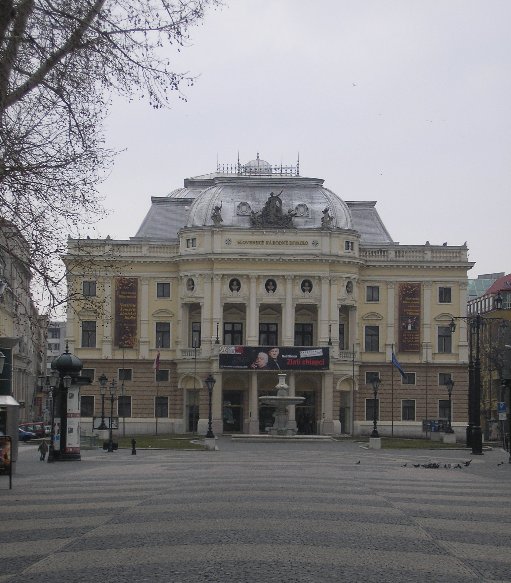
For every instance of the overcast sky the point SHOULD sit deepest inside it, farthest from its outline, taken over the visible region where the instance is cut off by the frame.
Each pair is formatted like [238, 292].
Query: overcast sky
[406, 102]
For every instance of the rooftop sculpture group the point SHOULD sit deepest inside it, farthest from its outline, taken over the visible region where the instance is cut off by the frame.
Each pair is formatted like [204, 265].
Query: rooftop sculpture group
[272, 214]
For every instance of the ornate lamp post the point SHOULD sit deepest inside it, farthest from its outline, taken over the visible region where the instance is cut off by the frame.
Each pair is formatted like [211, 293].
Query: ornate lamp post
[112, 389]
[450, 385]
[210, 383]
[102, 391]
[50, 384]
[474, 433]
[376, 385]
[475, 323]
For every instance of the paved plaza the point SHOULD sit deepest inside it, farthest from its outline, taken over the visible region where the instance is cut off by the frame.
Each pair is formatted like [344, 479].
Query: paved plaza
[258, 512]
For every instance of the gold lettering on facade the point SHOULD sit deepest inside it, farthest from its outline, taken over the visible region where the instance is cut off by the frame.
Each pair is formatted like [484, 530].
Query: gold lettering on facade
[271, 242]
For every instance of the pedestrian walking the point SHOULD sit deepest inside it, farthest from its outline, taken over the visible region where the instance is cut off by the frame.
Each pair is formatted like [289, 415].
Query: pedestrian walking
[43, 450]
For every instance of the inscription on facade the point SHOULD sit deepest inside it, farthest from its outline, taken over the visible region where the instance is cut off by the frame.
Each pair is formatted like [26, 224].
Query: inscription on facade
[271, 242]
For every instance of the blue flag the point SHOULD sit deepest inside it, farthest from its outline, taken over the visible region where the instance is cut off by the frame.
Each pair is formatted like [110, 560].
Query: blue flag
[395, 362]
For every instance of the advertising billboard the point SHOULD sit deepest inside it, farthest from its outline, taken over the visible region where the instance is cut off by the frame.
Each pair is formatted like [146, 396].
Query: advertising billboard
[262, 358]
[409, 317]
[126, 302]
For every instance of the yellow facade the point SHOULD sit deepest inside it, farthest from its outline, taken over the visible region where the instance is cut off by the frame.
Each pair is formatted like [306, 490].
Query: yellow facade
[187, 308]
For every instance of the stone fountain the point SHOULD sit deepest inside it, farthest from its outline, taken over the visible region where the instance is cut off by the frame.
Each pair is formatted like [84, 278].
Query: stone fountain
[281, 402]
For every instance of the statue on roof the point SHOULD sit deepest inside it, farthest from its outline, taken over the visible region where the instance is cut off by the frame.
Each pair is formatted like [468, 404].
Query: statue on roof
[216, 215]
[327, 219]
[272, 215]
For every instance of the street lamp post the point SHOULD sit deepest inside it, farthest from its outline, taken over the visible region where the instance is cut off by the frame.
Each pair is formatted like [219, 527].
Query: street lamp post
[112, 389]
[376, 385]
[450, 386]
[210, 383]
[474, 432]
[102, 391]
[51, 383]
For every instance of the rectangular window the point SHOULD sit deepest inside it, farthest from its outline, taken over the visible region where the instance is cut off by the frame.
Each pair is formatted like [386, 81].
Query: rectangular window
[444, 339]
[371, 376]
[89, 373]
[372, 338]
[125, 374]
[408, 410]
[372, 293]
[88, 334]
[196, 334]
[342, 339]
[161, 407]
[53, 346]
[443, 377]
[370, 409]
[162, 334]
[163, 290]
[444, 295]
[408, 379]
[87, 406]
[54, 333]
[162, 375]
[303, 334]
[443, 408]
[89, 288]
[191, 243]
[349, 245]
[124, 406]
[233, 333]
[268, 334]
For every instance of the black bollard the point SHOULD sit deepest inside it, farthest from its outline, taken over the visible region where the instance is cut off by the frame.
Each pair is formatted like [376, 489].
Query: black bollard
[133, 447]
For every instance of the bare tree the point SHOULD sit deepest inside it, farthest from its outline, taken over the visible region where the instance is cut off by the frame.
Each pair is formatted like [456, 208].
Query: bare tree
[60, 63]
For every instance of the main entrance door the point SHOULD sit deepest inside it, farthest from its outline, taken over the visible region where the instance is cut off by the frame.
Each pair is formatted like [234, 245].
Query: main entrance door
[192, 410]
[233, 412]
[305, 413]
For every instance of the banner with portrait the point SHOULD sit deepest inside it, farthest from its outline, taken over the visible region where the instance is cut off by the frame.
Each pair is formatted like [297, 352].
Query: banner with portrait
[409, 317]
[262, 358]
[126, 311]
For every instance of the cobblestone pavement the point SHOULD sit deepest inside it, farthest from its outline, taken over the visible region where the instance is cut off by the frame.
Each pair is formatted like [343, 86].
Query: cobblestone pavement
[258, 512]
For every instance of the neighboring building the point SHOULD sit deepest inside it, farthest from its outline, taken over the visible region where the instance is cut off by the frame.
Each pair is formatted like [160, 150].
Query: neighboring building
[56, 342]
[477, 287]
[21, 327]
[494, 307]
[256, 256]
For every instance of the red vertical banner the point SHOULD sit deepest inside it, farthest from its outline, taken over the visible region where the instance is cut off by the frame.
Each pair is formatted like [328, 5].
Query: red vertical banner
[126, 315]
[409, 317]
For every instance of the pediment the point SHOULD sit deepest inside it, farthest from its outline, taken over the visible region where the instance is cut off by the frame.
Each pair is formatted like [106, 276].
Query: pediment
[443, 317]
[162, 314]
[372, 316]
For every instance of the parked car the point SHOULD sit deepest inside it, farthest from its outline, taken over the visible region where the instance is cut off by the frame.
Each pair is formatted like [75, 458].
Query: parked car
[36, 427]
[25, 435]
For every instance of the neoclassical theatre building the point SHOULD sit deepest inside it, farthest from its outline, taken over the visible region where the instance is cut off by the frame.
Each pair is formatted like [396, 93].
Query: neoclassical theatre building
[254, 270]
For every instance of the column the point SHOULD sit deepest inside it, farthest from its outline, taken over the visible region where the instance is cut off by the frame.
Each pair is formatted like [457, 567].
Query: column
[288, 329]
[252, 315]
[426, 322]
[207, 327]
[216, 308]
[391, 316]
[324, 311]
[334, 315]
[107, 320]
[253, 424]
[144, 319]
[327, 396]
[217, 417]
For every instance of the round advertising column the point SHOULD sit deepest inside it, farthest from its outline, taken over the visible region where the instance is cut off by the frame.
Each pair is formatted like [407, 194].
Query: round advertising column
[65, 433]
